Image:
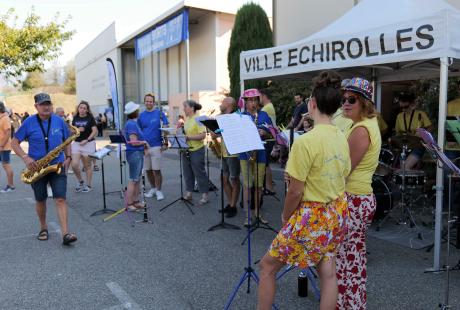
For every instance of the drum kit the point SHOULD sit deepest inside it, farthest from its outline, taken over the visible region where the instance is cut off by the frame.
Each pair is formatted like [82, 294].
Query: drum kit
[398, 191]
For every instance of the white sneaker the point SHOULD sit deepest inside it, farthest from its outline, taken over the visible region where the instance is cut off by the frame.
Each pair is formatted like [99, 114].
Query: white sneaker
[160, 195]
[150, 193]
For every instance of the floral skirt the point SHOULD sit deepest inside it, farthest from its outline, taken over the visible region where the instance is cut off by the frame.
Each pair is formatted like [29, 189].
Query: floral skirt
[314, 231]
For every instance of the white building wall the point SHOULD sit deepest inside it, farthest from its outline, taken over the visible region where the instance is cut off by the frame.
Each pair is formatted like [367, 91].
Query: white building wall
[91, 70]
[203, 53]
[297, 19]
[224, 26]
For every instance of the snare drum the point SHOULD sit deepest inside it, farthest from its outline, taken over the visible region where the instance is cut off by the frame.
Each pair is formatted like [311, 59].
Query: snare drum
[413, 178]
[386, 159]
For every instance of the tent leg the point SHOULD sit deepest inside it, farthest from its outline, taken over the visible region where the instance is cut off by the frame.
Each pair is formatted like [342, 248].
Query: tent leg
[439, 172]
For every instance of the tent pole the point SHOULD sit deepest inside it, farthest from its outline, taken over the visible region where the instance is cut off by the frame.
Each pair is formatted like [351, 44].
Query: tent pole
[439, 172]
[187, 69]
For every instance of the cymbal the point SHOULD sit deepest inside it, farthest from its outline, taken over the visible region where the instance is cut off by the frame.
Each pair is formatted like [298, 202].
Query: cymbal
[410, 141]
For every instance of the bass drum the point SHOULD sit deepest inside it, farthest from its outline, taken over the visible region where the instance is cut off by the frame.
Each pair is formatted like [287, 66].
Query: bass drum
[383, 197]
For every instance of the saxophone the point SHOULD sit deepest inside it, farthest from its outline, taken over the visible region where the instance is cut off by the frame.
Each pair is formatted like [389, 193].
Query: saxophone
[43, 168]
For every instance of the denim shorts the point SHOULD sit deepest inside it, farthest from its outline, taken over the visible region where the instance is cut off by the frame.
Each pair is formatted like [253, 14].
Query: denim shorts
[5, 157]
[135, 161]
[58, 183]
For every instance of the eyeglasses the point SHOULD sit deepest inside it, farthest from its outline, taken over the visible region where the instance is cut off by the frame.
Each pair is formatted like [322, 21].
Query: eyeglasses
[350, 99]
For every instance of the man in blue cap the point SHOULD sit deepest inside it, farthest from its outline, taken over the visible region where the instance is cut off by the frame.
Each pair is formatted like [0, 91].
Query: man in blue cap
[45, 131]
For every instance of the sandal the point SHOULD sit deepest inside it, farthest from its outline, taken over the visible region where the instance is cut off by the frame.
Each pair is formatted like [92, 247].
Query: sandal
[188, 197]
[43, 235]
[139, 205]
[69, 238]
[203, 201]
[132, 208]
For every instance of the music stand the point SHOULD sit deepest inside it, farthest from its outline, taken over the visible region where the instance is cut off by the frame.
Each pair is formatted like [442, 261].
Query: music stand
[181, 146]
[100, 155]
[431, 146]
[214, 126]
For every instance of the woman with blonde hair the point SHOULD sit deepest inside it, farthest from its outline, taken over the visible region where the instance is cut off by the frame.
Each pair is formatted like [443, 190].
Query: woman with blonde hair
[365, 142]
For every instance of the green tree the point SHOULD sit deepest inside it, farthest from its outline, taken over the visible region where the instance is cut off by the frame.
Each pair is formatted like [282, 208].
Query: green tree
[26, 48]
[69, 83]
[250, 31]
[33, 80]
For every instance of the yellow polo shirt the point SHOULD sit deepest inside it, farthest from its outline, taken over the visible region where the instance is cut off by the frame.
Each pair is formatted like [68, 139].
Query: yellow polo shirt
[192, 128]
[360, 179]
[321, 159]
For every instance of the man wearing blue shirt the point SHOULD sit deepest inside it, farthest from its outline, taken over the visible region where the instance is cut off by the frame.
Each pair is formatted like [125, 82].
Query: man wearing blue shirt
[45, 131]
[150, 121]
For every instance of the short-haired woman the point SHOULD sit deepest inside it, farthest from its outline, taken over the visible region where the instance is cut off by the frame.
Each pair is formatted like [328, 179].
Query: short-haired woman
[193, 158]
[84, 145]
[365, 142]
[315, 209]
[135, 145]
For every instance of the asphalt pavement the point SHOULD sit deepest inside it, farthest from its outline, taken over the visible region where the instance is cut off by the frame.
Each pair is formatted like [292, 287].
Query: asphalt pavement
[173, 263]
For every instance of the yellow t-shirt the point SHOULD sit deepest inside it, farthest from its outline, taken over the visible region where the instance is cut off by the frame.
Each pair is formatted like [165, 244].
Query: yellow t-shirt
[419, 120]
[359, 181]
[192, 128]
[453, 108]
[341, 121]
[270, 110]
[5, 133]
[321, 159]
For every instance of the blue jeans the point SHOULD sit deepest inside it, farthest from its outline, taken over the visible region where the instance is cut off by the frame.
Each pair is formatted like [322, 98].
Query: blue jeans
[135, 161]
[58, 183]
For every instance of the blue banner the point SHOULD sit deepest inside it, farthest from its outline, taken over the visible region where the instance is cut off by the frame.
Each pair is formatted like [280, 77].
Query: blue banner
[170, 33]
[114, 93]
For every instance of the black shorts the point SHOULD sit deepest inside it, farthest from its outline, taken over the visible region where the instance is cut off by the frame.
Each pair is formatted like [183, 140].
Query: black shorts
[268, 150]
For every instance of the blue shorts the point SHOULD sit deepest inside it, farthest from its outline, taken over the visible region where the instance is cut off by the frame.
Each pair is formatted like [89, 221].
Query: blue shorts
[418, 152]
[5, 157]
[135, 161]
[58, 183]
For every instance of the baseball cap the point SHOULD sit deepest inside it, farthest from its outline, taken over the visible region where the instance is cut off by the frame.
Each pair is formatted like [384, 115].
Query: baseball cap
[41, 98]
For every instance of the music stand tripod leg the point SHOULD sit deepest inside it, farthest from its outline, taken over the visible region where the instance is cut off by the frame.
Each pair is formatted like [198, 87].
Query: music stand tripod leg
[104, 210]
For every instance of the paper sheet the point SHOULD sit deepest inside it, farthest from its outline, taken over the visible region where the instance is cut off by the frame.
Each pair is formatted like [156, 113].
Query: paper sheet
[240, 133]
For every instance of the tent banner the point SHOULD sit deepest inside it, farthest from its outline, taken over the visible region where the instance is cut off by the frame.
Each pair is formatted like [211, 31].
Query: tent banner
[169, 33]
[412, 40]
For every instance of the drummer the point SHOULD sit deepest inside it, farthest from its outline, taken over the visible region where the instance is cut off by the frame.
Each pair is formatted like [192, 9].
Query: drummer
[407, 122]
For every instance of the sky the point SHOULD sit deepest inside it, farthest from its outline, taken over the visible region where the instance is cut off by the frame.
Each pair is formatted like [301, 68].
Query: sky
[90, 17]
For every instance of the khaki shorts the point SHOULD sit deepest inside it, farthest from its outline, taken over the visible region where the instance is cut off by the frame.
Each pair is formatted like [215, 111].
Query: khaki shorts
[88, 149]
[152, 159]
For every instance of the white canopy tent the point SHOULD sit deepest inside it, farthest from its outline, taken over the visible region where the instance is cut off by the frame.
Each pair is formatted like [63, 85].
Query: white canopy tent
[389, 40]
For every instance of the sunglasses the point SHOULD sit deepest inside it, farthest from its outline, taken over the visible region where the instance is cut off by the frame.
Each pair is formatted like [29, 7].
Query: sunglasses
[350, 99]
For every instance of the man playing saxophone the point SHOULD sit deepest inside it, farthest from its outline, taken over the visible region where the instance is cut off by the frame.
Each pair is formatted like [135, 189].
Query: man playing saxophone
[45, 131]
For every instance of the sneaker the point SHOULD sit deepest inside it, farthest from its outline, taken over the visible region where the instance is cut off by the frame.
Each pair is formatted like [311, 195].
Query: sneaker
[86, 189]
[160, 195]
[79, 187]
[226, 209]
[262, 220]
[150, 193]
[8, 189]
[231, 212]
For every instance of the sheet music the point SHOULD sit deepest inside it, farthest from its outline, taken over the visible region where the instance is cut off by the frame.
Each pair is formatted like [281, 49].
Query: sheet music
[240, 133]
[173, 142]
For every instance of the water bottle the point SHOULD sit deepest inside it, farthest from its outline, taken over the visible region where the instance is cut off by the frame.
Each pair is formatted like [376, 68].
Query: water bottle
[302, 282]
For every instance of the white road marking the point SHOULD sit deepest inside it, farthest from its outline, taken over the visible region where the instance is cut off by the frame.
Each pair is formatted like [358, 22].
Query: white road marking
[122, 296]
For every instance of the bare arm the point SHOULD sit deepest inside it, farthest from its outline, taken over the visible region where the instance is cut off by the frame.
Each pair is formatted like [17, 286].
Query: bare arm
[359, 143]
[5, 139]
[28, 161]
[197, 137]
[293, 198]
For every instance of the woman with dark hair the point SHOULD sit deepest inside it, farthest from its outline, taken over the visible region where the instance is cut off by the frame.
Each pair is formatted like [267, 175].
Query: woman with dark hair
[364, 141]
[135, 145]
[84, 145]
[315, 209]
[193, 158]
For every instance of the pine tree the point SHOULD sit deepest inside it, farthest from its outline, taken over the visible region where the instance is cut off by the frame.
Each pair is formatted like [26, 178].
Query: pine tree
[250, 31]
